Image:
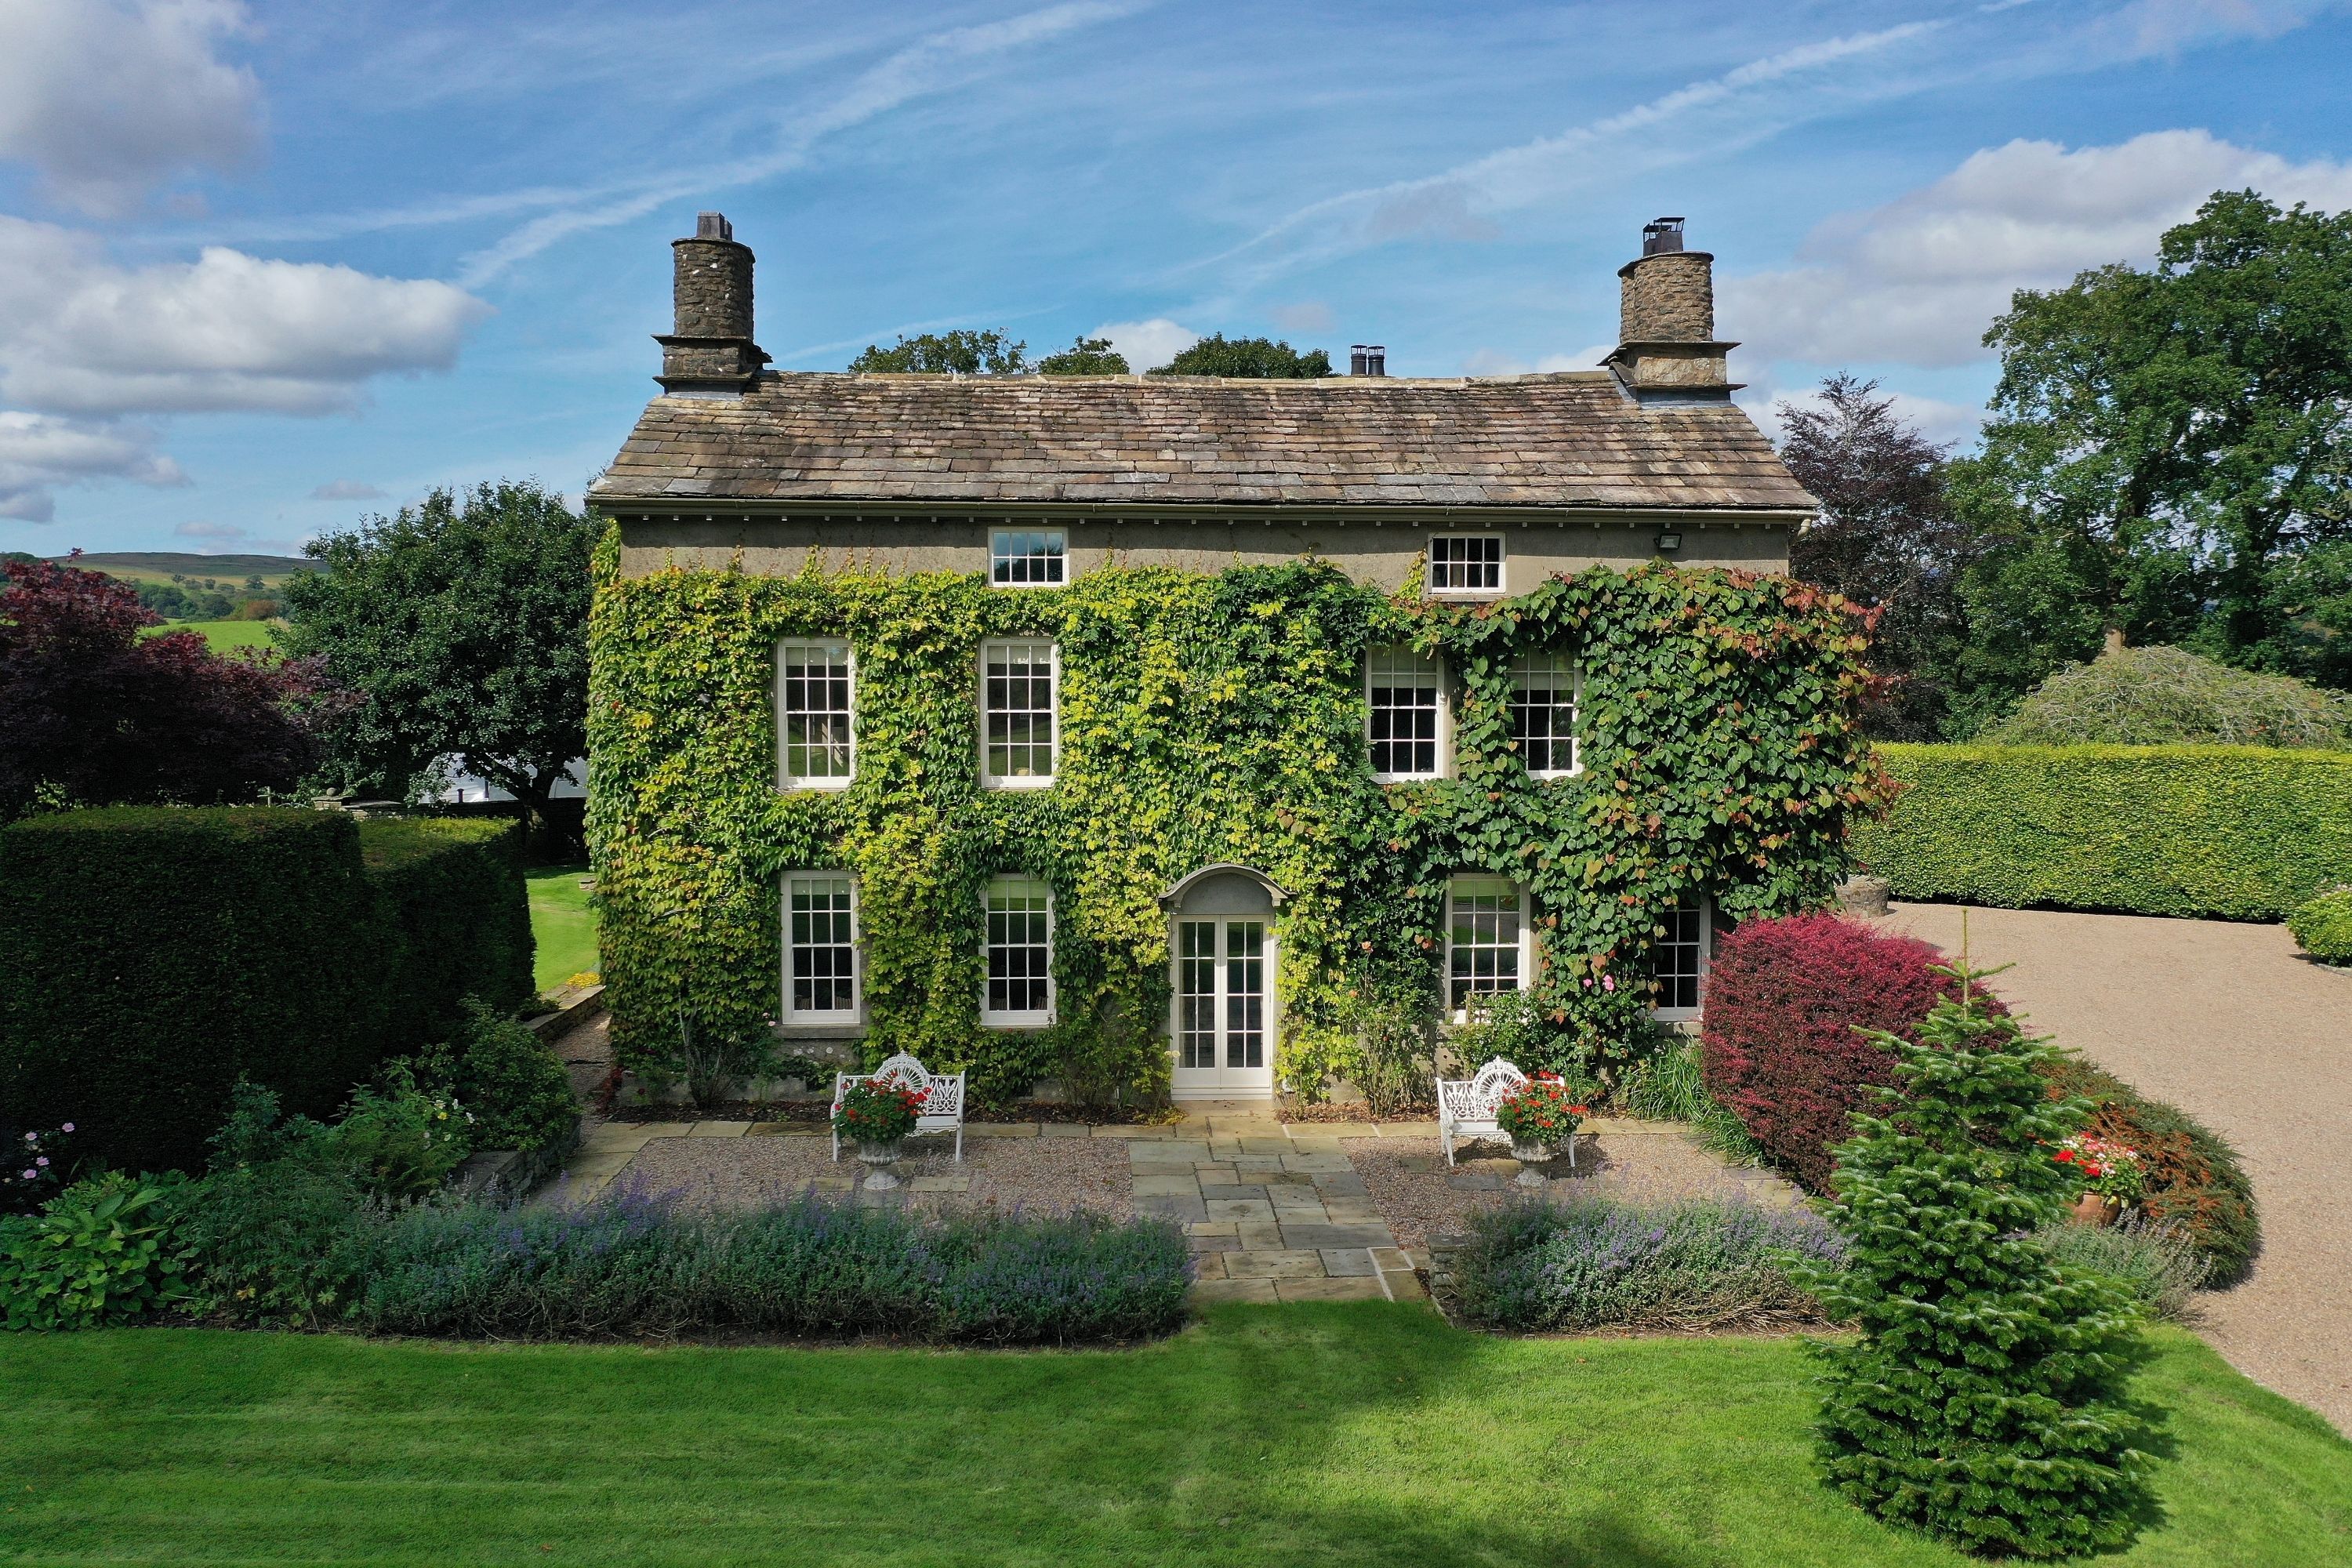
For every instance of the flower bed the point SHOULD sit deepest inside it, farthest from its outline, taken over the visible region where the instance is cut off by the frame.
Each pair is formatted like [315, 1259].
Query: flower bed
[1598, 1262]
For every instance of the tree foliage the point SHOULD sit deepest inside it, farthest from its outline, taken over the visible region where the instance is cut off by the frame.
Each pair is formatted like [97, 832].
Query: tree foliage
[1983, 1400]
[461, 624]
[1884, 538]
[93, 713]
[961, 352]
[2169, 452]
[2164, 696]
[1217, 354]
[1087, 356]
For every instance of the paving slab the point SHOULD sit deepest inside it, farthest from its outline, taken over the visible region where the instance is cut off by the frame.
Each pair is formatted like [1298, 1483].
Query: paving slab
[1322, 1236]
[1210, 1291]
[1239, 1209]
[1284, 1264]
[720, 1129]
[1000, 1130]
[1208, 1265]
[1344, 1261]
[1329, 1289]
[1172, 1207]
[1265, 1236]
[1167, 1184]
[1063, 1130]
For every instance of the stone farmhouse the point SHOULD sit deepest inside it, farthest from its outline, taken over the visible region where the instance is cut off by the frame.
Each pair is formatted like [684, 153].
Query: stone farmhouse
[875, 656]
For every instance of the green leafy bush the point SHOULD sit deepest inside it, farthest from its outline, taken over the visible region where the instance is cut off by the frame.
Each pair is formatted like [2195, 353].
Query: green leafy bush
[2168, 696]
[2199, 831]
[2324, 926]
[156, 956]
[103, 1251]
[1697, 1265]
[2190, 1174]
[400, 1141]
[1984, 1399]
[513, 1087]
[1205, 717]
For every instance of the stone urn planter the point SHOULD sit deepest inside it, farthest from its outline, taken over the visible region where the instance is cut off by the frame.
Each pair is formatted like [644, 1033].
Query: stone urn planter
[877, 1159]
[1532, 1157]
[2097, 1209]
[1864, 896]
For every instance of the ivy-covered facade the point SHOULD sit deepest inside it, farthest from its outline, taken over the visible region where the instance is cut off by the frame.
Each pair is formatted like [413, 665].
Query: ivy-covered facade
[1121, 731]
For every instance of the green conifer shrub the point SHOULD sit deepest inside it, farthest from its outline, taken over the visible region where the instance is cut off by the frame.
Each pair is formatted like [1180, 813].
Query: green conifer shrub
[1983, 1400]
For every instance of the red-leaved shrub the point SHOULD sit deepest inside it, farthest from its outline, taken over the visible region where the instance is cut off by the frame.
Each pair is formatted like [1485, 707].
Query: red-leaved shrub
[1784, 1001]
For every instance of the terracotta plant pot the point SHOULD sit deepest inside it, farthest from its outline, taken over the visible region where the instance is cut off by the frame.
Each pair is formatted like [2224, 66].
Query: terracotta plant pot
[2096, 1208]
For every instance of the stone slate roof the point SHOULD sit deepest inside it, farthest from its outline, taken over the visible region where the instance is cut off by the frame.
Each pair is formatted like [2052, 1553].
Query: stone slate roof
[1572, 440]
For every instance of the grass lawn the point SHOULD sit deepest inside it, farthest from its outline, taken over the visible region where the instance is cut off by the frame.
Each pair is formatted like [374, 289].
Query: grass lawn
[562, 925]
[1344, 1434]
[221, 637]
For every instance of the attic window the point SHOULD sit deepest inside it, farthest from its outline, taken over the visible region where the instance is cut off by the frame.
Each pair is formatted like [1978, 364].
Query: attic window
[1466, 564]
[1026, 560]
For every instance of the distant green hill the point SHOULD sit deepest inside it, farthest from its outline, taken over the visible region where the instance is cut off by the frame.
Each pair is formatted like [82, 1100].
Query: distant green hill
[157, 565]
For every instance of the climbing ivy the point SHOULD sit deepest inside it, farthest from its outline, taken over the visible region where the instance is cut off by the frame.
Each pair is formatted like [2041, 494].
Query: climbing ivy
[1205, 718]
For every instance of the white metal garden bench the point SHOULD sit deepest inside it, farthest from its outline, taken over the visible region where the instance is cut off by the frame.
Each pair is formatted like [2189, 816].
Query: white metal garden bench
[1466, 1105]
[942, 1098]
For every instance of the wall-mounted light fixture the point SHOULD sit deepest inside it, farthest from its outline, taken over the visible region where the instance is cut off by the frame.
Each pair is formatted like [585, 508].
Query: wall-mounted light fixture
[1669, 542]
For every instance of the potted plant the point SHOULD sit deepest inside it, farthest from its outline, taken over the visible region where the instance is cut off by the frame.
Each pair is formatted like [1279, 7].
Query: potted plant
[2112, 1176]
[877, 1118]
[1540, 1117]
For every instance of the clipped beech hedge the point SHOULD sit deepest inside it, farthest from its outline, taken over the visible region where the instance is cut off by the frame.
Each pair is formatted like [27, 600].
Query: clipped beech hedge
[152, 956]
[2230, 832]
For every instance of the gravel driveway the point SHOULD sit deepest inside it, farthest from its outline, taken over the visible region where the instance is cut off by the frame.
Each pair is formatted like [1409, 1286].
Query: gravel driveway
[2233, 1025]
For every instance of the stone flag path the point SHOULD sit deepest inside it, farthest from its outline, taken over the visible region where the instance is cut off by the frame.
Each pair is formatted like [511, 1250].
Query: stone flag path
[1273, 1211]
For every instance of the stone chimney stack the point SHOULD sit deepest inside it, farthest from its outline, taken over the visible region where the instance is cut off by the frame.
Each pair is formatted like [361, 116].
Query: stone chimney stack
[709, 351]
[1666, 344]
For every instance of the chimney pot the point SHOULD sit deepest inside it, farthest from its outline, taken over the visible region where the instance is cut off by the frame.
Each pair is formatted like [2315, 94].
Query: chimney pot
[1356, 360]
[712, 226]
[1662, 234]
[1376, 359]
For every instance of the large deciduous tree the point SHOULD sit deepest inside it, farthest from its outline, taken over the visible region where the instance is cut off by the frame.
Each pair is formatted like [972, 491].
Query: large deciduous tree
[462, 624]
[93, 713]
[963, 351]
[1086, 356]
[2171, 454]
[1217, 354]
[1884, 538]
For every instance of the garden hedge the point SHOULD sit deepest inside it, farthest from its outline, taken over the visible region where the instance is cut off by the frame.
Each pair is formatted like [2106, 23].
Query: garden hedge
[154, 955]
[2229, 832]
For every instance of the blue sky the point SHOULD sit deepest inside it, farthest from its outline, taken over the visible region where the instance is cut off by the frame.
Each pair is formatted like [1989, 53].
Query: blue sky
[265, 267]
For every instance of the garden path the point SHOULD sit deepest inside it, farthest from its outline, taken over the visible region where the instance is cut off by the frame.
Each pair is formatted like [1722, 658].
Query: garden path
[2232, 1024]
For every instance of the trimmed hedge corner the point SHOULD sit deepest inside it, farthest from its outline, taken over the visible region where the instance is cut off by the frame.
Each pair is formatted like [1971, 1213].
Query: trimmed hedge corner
[155, 955]
[2323, 926]
[2229, 832]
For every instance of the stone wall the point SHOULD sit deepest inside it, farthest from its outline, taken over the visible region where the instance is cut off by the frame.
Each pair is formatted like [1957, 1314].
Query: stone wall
[713, 289]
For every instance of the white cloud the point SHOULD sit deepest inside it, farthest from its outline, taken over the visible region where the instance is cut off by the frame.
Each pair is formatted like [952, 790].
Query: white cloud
[347, 489]
[79, 334]
[1491, 362]
[108, 98]
[1147, 345]
[1917, 281]
[39, 452]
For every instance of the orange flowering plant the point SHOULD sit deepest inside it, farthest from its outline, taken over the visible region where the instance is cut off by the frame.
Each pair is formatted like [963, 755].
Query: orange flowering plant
[874, 1113]
[1546, 1110]
[2107, 1169]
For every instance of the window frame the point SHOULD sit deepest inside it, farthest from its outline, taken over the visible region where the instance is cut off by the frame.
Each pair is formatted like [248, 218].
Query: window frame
[812, 1017]
[1575, 716]
[1697, 1011]
[1525, 947]
[1442, 756]
[1061, 559]
[1015, 1018]
[785, 777]
[1502, 568]
[1053, 713]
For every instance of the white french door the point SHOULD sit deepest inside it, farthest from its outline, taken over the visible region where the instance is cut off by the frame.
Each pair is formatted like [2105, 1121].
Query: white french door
[1224, 1009]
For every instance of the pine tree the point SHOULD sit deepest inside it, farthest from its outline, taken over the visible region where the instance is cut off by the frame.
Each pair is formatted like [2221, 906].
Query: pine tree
[1983, 1401]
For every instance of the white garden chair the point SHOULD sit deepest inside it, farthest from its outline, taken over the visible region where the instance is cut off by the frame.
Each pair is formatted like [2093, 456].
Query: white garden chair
[1465, 1106]
[942, 1097]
